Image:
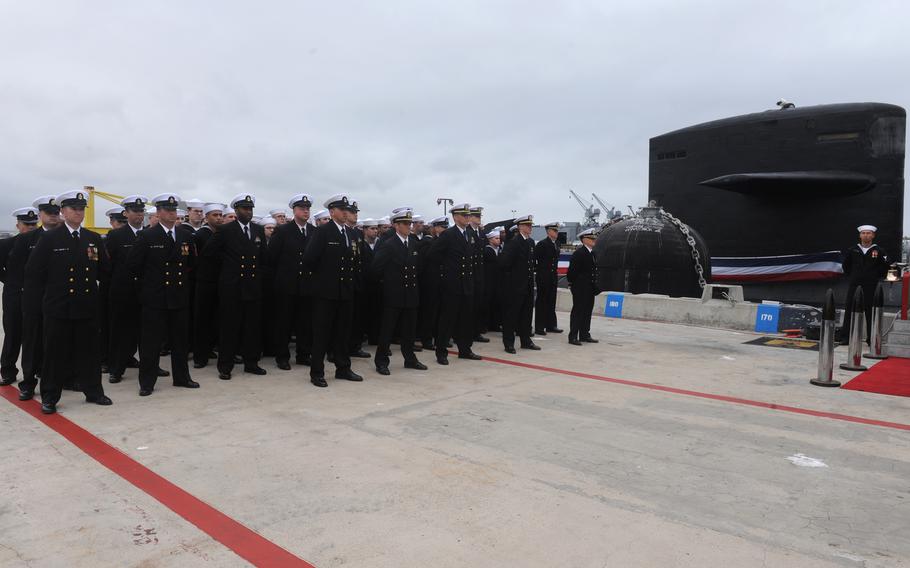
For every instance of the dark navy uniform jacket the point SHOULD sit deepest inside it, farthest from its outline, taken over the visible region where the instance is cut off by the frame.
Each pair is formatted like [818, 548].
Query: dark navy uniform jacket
[68, 270]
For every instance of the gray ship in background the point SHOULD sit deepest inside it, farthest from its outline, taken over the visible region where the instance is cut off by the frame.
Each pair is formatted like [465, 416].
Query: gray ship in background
[777, 195]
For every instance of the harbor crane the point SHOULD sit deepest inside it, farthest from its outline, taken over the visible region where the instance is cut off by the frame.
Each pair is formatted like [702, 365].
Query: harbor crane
[592, 213]
[606, 207]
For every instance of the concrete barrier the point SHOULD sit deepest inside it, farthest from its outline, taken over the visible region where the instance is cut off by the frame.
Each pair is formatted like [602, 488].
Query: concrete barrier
[722, 314]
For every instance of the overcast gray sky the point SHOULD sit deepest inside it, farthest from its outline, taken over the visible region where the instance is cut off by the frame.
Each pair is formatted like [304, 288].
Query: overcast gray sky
[507, 104]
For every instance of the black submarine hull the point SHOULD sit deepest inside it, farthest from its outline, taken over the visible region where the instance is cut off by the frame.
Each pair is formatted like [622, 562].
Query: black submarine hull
[777, 195]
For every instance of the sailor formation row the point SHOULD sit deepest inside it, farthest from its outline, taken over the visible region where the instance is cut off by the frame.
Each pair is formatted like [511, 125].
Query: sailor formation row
[218, 286]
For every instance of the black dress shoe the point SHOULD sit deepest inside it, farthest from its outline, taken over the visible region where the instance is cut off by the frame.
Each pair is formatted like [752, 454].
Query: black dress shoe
[238, 360]
[254, 370]
[480, 339]
[589, 340]
[163, 373]
[100, 401]
[360, 353]
[532, 346]
[510, 350]
[48, 408]
[574, 342]
[199, 365]
[539, 332]
[26, 395]
[416, 365]
[7, 381]
[145, 392]
[383, 370]
[224, 376]
[303, 360]
[554, 330]
[470, 355]
[189, 384]
[442, 360]
[348, 375]
[283, 364]
[319, 381]
[114, 379]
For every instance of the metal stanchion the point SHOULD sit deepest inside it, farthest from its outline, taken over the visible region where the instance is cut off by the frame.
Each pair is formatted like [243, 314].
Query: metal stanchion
[857, 327]
[826, 345]
[875, 334]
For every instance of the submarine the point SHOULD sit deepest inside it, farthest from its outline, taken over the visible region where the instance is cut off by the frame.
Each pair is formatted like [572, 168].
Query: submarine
[777, 195]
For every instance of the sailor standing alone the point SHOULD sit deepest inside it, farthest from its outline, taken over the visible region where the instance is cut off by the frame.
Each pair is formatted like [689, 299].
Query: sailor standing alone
[864, 265]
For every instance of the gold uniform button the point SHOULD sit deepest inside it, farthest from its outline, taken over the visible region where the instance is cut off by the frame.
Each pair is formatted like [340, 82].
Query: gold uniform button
[72, 269]
[72, 291]
[86, 290]
[72, 279]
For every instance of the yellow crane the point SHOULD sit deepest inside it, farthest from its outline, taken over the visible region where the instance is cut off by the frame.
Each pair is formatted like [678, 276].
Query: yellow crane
[90, 208]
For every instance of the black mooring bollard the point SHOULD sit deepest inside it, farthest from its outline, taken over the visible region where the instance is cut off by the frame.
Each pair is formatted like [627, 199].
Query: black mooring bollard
[826, 345]
[857, 327]
[875, 332]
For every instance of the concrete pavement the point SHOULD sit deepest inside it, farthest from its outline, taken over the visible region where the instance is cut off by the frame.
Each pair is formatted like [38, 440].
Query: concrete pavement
[482, 464]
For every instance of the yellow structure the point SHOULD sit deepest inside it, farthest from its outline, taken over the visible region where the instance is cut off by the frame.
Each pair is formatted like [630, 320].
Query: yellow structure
[90, 208]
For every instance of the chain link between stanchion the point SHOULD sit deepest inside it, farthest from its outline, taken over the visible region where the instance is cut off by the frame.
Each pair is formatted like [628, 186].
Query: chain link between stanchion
[696, 256]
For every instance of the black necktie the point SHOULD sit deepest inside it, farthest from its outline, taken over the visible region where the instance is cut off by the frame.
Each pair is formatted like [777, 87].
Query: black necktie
[75, 235]
[246, 231]
[344, 235]
[466, 236]
[170, 235]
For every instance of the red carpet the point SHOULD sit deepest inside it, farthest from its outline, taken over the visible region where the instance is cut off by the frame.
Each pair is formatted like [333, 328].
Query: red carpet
[891, 376]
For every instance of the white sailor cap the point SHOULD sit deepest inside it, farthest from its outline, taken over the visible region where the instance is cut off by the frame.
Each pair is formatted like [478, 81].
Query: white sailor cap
[417, 218]
[439, 221]
[872, 228]
[47, 203]
[524, 220]
[116, 212]
[195, 203]
[256, 219]
[402, 209]
[369, 222]
[300, 200]
[181, 212]
[166, 201]
[212, 207]
[588, 233]
[494, 233]
[27, 215]
[278, 211]
[134, 202]
[243, 200]
[476, 210]
[322, 214]
[384, 221]
[75, 198]
[553, 225]
[403, 216]
[460, 209]
[265, 221]
[339, 200]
